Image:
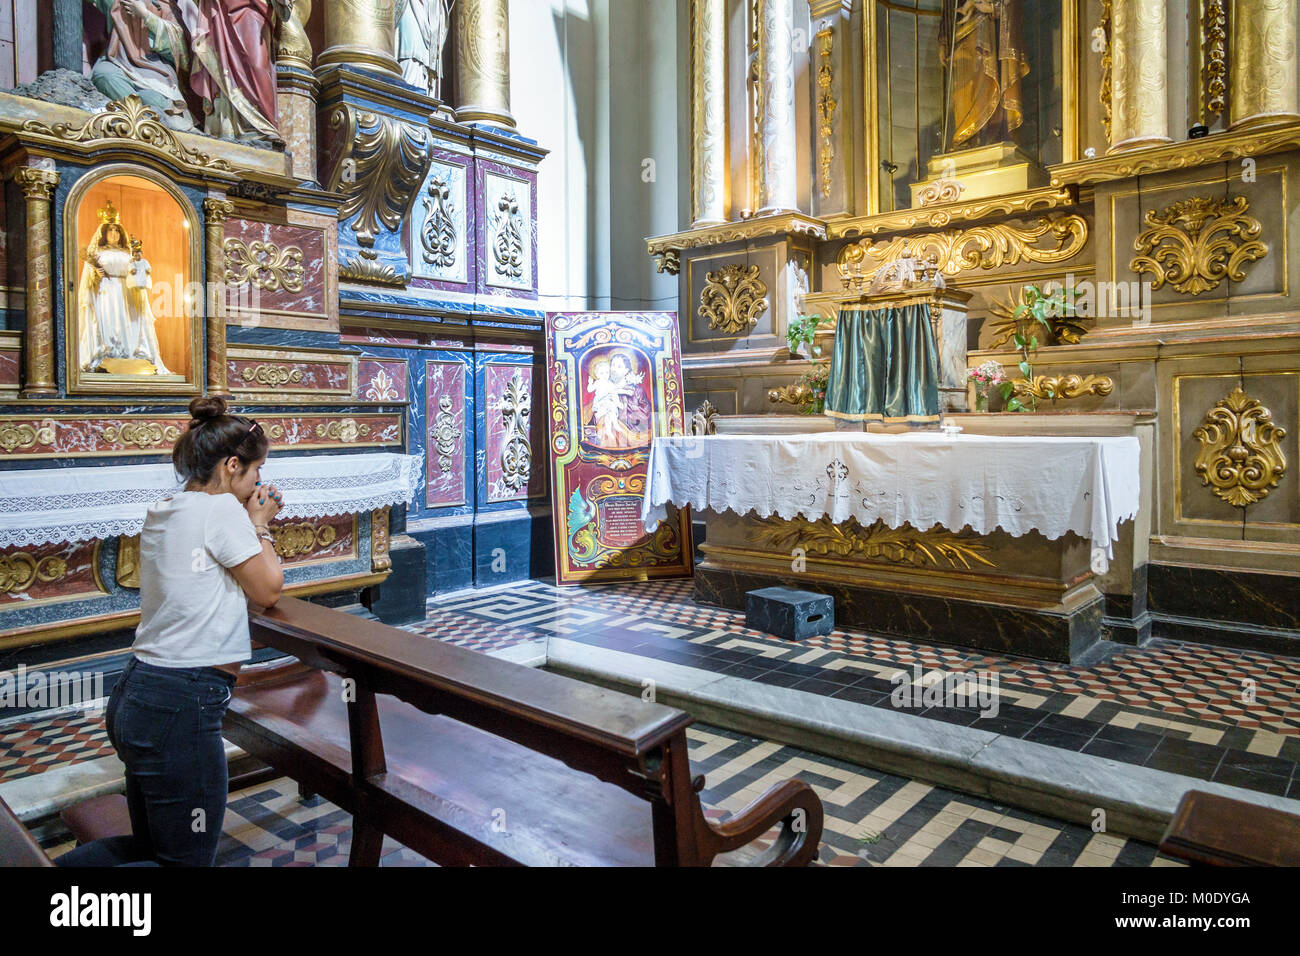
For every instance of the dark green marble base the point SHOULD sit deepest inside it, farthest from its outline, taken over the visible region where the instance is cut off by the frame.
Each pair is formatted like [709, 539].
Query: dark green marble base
[1023, 632]
[1250, 610]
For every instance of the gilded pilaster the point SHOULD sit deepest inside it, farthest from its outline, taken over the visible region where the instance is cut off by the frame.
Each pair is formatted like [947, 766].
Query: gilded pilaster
[483, 62]
[776, 162]
[38, 187]
[216, 212]
[360, 33]
[1262, 89]
[708, 112]
[1139, 53]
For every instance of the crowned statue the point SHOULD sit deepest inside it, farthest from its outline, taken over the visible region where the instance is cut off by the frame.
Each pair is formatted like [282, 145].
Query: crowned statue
[115, 323]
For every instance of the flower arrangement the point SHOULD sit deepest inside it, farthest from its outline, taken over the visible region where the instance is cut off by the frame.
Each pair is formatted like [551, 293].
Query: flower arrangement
[815, 381]
[984, 377]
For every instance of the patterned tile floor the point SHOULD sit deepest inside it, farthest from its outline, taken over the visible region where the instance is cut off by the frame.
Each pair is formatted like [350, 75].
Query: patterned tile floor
[872, 819]
[1208, 712]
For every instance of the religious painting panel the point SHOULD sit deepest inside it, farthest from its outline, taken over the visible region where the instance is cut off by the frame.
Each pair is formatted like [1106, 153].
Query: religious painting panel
[446, 414]
[133, 285]
[614, 382]
[513, 412]
[441, 220]
[506, 230]
[281, 270]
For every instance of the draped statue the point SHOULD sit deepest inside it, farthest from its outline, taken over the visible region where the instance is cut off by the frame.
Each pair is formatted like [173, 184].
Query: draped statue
[422, 27]
[146, 49]
[234, 69]
[980, 45]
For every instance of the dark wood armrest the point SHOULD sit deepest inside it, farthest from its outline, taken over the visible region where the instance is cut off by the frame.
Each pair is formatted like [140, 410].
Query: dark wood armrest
[792, 803]
[17, 846]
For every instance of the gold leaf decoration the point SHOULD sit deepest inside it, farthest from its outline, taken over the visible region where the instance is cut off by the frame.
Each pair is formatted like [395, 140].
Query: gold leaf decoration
[304, 537]
[733, 298]
[704, 421]
[903, 545]
[383, 162]
[1070, 385]
[379, 556]
[272, 376]
[20, 570]
[1241, 454]
[265, 265]
[826, 106]
[941, 190]
[1214, 30]
[14, 436]
[141, 434]
[790, 395]
[342, 429]
[129, 119]
[128, 561]
[366, 269]
[1107, 63]
[1196, 243]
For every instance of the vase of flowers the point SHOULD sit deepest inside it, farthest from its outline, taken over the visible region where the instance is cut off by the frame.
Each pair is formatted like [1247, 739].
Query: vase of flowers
[984, 377]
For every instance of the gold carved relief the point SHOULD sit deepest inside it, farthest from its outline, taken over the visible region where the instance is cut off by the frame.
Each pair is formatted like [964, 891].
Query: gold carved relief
[1197, 243]
[265, 265]
[19, 571]
[979, 247]
[272, 376]
[366, 269]
[1107, 62]
[342, 429]
[704, 421]
[25, 436]
[733, 298]
[379, 558]
[1063, 386]
[130, 119]
[941, 190]
[1241, 454]
[128, 561]
[142, 434]
[1214, 50]
[826, 106]
[304, 537]
[382, 162]
[903, 545]
[790, 395]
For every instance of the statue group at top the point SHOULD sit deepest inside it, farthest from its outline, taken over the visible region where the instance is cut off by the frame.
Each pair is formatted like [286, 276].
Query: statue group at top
[210, 64]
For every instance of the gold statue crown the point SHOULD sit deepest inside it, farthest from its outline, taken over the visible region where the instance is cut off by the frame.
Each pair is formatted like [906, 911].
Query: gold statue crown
[108, 214]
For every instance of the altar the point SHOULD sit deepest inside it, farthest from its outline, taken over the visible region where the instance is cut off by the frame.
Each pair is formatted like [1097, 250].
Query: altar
[993, 542]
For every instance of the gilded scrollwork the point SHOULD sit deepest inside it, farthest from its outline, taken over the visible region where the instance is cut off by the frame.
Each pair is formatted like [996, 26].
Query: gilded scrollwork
[130, 119]
[379, 556]
[20, 570]
[272, 376]
[904, 545]
[940, 191]
[1214, 51]
[128, 561]
[36, 183]
[21, 435]
[1196, 243]
[382, 162]
[1107, 62]
[978, 247]
[704, 420]
[263, 264]
[142, 434]
[1241, 455]
[516, 452]
[733, 298]
[438, 234]
[790, 395]
[365, 268]
[826, 107]
[445, 433]
[1071, 385]
[302, 537]
[342, 429]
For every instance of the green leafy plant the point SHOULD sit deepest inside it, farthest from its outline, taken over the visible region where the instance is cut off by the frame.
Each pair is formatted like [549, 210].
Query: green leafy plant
[1034, 316]
[802, 331]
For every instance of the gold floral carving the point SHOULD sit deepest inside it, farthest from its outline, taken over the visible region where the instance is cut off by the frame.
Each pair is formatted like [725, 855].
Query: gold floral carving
[14, 436]
[272, 376]
[941, 190]
[36, 183]
[1241, 455]
[383, 162]
[1070, 385]
[704, 421]
[265, 265]
[1197, 243]
[20, 570]
[128, 561]
[275, 432]
[979, 247]
[904, 545]
[733, 298]
[366, 269]
[826, 106]
[303, 537]
[516, 452]
[445, 433]
[1214, 31]
[141, 434]
[342, 429]
[130, 119]
[790, 395]
[1107, 62]
[379, 557]
[669, 261]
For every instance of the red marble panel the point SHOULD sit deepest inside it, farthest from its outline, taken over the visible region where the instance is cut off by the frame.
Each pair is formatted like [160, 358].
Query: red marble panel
[444, 384]
[298, 282]
[271, 374]
[9, 364]
[329, 431]
[315, 540]
[508, 431]
[381, 381]
[50, 572]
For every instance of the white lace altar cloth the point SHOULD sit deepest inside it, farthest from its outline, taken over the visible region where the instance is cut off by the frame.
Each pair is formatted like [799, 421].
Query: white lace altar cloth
[51, 505]
[1019, 484]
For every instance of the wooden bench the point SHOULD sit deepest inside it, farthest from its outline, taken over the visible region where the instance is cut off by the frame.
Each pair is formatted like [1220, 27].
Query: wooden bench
[17, 846]
[1220, 831]
[467, 759]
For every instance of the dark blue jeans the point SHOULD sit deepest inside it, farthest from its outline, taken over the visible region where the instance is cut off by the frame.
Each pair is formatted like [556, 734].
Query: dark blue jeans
[165, 724]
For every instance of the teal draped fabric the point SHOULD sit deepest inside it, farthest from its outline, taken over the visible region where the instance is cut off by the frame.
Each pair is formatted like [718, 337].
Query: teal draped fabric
[885, 366]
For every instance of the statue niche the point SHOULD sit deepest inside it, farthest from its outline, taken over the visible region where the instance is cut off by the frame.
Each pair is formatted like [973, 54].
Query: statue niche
[981, 49]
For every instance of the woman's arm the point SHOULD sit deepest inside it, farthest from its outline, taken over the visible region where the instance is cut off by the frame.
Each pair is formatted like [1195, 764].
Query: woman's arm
[261, 576]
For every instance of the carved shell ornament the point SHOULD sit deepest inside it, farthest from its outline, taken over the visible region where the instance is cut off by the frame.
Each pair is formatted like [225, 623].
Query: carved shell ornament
[733, 298]
[1196, 243]
[1241, 454]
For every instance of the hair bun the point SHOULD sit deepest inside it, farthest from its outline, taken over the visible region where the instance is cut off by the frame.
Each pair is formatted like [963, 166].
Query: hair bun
[206, 408]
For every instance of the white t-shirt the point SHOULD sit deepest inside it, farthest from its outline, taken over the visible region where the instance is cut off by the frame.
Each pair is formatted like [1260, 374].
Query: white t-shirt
[193, 613]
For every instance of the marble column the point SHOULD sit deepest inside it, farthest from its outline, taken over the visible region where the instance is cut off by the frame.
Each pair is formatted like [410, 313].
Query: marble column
[360, 33]
[1139, 56]
[777, 185]
[708, 112]
[38, 342]
[215, 213]
[1262, 87]
[482, 30]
